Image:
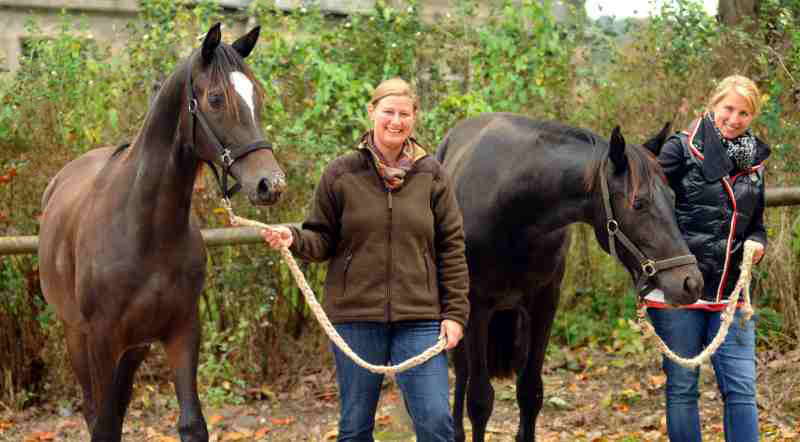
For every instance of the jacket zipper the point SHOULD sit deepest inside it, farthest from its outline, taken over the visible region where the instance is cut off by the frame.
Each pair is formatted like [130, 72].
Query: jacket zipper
[427, 271]
[347, 261]
[389, 259]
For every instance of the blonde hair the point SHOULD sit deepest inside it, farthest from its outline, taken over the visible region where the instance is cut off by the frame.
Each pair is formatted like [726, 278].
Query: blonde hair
[742, 86]
[394, 86]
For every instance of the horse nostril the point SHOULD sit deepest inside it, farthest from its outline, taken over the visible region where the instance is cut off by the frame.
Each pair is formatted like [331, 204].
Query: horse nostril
[691, 285]
[263, 186]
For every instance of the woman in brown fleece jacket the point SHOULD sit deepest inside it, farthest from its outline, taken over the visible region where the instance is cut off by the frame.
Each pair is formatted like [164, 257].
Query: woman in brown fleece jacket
[387, 219]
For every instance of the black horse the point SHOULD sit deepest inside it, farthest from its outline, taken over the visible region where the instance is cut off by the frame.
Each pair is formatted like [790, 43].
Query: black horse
[520, 183]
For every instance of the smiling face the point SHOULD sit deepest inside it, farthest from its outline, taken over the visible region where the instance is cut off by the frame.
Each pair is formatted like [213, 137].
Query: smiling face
[732, 115]
[393, 119]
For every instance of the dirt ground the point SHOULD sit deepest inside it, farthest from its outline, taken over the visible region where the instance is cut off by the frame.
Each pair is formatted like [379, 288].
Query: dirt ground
[590, 395]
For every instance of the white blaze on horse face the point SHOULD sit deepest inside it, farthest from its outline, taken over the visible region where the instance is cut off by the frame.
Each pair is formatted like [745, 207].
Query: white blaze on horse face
[244, 87]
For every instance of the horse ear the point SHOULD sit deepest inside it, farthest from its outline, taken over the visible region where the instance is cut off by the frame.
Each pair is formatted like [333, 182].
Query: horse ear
[210, 43]
[244, 45]
[654, 144]
[616, 151]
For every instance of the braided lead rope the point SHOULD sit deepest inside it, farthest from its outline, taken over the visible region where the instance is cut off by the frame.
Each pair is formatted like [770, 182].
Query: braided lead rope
[742, 285]
[319, 313]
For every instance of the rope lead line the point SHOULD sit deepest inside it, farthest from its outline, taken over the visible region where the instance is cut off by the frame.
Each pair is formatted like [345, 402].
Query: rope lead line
[742, 285]
[322, 318]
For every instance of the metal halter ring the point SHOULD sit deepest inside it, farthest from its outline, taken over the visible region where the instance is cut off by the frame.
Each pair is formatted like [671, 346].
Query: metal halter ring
[225, 156]
[649, 267]
[612, 227]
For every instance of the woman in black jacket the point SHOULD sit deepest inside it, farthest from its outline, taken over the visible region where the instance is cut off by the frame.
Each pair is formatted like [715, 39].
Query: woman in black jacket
[716, 170]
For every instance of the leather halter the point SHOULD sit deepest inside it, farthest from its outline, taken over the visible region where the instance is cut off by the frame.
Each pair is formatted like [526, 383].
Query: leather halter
[649, 267]
[227, 154]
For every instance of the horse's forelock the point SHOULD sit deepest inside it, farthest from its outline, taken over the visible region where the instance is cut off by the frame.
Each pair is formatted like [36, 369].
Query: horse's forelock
[226, 61]
[642, 166]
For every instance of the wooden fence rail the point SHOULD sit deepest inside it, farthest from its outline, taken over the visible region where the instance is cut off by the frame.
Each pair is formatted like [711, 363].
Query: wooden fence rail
[13, 245]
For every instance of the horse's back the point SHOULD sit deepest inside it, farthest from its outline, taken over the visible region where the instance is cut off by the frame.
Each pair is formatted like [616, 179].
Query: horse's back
[74, 177]
[463, 139]
[506, 170]
[63, 212]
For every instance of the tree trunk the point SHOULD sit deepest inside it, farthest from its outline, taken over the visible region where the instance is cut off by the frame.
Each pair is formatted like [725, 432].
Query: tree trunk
[733, 12]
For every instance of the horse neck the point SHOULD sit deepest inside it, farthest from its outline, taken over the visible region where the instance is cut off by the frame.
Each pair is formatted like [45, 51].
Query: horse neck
[163, 170]
[567, 201]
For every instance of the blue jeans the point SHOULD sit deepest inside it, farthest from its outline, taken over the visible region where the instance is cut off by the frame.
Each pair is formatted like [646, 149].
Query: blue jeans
[425, 387]
[687, 332]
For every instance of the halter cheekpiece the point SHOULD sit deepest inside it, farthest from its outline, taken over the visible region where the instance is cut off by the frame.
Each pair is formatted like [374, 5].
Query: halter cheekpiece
[228, 154]
[648, 266]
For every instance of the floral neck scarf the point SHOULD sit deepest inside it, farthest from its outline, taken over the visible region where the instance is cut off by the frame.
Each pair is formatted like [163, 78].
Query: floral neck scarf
[741, 149]
[393, 176]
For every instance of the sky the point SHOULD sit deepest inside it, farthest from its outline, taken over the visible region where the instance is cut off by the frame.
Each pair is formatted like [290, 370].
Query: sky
[634, 8]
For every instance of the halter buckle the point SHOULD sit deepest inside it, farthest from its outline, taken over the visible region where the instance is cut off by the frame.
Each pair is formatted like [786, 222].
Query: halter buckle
[649, 267]
[612, 226]
[226, 158]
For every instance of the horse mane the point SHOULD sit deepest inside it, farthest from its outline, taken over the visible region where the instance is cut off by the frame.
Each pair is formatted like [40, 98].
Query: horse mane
[642, 168]
[120, 148]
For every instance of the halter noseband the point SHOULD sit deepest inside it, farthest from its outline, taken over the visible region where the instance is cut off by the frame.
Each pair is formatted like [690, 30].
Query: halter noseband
[227, 154]
[649, 267]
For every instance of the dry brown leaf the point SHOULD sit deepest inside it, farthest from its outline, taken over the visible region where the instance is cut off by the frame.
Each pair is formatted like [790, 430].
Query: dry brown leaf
[40, 436]
[287, 421]
[234, 435]
[331, 435]
[623, 408]
[215, 419]
[261, 432]
[656, 381]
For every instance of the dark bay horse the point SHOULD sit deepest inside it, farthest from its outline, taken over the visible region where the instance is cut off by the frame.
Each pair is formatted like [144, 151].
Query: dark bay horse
[120, 261]
[520, 183]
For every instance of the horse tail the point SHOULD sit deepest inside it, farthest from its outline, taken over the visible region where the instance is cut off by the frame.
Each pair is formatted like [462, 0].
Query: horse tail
[509, 342]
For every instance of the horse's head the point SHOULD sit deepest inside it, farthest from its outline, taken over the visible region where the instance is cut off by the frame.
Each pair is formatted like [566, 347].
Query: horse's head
[635, 220]
[224, 105]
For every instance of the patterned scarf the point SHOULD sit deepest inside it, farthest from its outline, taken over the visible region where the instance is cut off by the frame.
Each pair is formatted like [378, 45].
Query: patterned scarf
[741, 149]
[393, 176]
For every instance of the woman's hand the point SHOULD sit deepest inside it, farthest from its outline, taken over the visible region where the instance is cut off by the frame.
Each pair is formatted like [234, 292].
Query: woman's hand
[759, 250]
[453, 331]
[277, 237]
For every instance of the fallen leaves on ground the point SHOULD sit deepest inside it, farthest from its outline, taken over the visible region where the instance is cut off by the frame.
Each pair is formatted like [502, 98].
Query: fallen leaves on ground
[597, 402]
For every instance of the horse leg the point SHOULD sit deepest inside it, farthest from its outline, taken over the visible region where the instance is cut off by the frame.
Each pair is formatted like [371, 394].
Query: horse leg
[106, 425]
[462, 374]
[530, 388]
[182, 349]
[79, 360]
[123, 378]
[480, 394]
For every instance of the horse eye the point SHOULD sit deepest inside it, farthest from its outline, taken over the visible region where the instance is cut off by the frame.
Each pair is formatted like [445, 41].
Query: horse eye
[216, 101]
[639, 204]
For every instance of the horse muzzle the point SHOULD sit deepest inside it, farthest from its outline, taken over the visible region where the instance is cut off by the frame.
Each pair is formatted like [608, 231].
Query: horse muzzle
[268, 189]
[681, 286]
